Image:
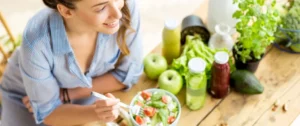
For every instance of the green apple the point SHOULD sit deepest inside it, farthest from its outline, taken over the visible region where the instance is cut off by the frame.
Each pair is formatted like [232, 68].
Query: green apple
[171, 81]
[154, 65]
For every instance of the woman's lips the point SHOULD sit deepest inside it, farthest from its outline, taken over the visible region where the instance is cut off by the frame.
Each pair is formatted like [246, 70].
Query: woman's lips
[112, 25]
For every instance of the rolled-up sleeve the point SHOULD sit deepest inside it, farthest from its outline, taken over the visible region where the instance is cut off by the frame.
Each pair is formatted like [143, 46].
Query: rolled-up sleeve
[131, 66]
[41, 86]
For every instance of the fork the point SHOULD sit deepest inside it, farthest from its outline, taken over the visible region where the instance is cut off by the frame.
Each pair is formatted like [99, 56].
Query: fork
[101, 96]
[139, 112]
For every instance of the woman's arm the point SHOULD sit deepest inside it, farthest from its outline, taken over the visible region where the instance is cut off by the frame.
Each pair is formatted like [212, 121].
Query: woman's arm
[107, 83]
[70, 114]
[101, 84]
[43, 93]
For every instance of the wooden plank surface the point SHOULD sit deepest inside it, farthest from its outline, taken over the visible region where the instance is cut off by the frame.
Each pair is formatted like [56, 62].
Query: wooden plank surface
[279, 73]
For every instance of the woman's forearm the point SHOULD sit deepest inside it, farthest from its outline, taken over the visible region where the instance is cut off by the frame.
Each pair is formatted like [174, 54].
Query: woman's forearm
[107, 83]
[102, 84]
[70, 114]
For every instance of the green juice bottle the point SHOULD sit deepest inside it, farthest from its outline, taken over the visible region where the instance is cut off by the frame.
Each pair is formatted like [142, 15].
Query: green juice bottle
[196, 84]
[171, 40]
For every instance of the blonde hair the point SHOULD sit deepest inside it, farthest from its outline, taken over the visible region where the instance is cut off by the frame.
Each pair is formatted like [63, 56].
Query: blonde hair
[121, 38]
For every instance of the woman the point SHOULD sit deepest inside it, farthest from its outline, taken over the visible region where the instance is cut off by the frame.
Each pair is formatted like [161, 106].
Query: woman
[70, 49]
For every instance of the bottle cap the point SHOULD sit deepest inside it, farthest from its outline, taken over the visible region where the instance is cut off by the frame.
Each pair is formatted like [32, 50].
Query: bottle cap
[171, 24]
[197, 65]
[221, 57]
[222, 29]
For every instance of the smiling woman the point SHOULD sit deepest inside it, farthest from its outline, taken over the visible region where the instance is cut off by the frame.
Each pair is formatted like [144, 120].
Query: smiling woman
[86, 13]
[71, 48]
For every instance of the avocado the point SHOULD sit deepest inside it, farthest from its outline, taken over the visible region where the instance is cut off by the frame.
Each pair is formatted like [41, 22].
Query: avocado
[296, 47]
[245, 82]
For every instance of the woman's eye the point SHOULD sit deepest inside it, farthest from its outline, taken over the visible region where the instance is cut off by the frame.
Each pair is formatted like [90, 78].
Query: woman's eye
[98, 11]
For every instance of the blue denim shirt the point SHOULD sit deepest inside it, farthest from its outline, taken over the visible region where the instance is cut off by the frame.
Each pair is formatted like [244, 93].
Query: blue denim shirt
[45, 62]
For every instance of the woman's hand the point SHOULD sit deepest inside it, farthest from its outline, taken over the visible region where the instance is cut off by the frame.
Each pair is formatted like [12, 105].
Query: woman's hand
[107, 110]
[27, 104]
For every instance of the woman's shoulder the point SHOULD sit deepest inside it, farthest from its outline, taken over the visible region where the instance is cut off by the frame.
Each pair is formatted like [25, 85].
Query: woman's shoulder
[37, 27]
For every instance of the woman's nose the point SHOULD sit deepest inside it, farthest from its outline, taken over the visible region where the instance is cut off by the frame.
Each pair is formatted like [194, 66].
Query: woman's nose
[115, 12]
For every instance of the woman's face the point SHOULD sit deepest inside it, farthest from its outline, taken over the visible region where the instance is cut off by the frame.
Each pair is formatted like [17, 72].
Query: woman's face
[100, 15]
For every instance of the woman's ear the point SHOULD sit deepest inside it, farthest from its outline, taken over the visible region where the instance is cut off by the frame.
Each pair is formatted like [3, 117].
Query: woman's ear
[65, 11]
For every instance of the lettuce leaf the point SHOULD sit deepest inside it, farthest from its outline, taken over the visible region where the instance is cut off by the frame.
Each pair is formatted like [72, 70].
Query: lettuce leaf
[163, 114]
[155, 120]
[157, 96]
[194, 47]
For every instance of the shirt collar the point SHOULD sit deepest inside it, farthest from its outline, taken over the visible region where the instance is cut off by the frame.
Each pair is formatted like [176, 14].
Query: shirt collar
[60, 43]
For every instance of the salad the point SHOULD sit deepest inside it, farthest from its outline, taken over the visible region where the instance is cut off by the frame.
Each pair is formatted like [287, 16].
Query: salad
[155, 108]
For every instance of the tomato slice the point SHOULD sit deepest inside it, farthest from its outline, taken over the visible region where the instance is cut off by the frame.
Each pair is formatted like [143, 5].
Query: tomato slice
[146, 95]
[164, 99]
[149, 111]
[139, 103]
[139, 120]
[171, 119]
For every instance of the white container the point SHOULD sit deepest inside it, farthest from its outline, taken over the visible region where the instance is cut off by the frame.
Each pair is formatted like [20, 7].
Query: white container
[221, 11]
[174, 98]
[222, 38]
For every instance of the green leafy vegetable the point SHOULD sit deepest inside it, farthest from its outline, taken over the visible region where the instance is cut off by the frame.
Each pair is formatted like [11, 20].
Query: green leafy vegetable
[155, 120]
[158, 104]
[163, 114]
[194, 47]
[157, 110]
[157, 96]
[257, 24]
[175, 108]
[290, 22]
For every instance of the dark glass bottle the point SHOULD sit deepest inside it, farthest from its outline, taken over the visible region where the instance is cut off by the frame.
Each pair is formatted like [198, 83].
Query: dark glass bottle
[220, 81]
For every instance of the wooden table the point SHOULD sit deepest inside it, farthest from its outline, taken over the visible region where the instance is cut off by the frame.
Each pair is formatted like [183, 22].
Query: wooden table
[279, 72]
